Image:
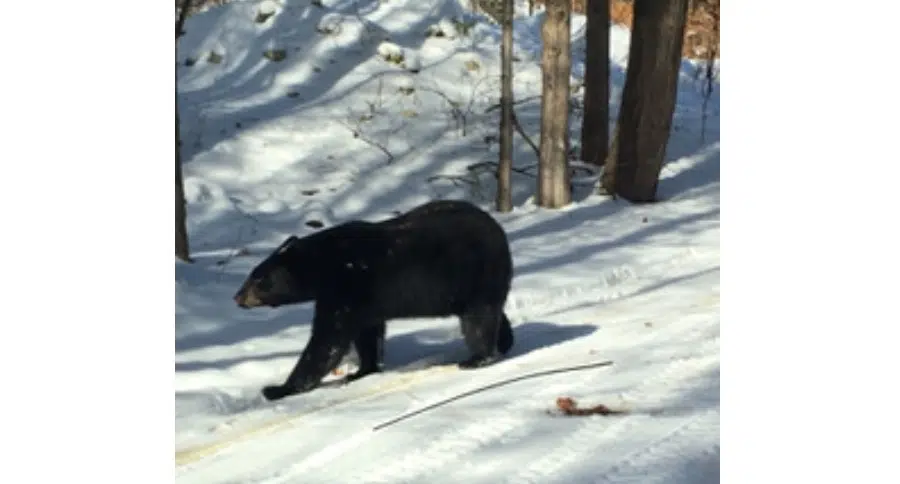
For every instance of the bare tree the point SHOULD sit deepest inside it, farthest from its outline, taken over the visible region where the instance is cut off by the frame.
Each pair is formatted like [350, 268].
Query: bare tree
[556, 61]
[648, 100]
[504, 168]
[182, 249]
[595, 125]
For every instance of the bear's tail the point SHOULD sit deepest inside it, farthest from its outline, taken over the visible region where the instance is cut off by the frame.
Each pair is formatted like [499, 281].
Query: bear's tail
[504, 335]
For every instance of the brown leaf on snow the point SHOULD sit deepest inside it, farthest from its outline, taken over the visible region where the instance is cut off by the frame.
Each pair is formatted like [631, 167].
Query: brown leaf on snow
[569, 406]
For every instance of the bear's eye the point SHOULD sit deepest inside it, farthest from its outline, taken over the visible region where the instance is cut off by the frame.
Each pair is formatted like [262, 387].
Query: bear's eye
[264, 284]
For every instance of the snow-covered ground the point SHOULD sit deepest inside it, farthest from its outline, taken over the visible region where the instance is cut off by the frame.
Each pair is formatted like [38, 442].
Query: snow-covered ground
[364, 116]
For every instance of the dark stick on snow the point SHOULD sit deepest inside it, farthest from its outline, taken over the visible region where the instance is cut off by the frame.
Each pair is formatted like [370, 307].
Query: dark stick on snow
[489, 387]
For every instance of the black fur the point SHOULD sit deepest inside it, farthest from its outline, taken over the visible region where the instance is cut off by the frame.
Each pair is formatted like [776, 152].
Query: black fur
[440, 259]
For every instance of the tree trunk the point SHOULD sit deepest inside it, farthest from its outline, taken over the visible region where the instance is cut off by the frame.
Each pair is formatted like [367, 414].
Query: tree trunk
[648, 98]
[182, 249]
[553, 173]
[608, 179]
[595, 126]
[504, 191]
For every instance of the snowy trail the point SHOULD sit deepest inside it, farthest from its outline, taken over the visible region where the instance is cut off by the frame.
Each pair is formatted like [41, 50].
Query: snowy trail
[496, 425]
[617, 284]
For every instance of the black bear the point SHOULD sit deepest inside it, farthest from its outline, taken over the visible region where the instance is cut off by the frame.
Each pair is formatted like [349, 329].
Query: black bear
[443, 258]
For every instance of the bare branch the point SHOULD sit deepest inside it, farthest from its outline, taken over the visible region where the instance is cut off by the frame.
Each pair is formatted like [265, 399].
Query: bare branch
[537, 151]
[495, 107]
[357, 134]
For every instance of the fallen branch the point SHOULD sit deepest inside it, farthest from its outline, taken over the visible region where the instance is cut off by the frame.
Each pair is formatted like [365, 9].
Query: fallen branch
[457, 180]
[520, 101]
[595, 172]
[492, 165]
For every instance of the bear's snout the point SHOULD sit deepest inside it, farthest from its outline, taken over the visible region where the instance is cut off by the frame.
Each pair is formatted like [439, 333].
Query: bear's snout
[247, 298]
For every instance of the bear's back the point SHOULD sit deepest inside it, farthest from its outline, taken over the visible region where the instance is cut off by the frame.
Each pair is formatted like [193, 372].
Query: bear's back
[435, 258]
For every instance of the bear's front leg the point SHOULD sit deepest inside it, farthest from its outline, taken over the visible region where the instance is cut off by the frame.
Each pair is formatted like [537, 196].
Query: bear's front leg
[322, 354]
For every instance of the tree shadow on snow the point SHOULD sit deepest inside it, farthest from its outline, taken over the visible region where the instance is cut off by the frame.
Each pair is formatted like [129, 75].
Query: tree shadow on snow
[702, 394]
[439, 348]
[329, 205]
[240, 81]
[402, 352]
[237, 326]
[647, 289]
[206, 315]
[225, 363]
[686, 226]
[360, 198]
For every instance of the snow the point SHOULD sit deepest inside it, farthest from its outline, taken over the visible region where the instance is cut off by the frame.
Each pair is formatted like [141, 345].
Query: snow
[333, 132]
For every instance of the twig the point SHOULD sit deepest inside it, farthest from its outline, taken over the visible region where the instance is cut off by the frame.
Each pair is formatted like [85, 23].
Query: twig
[459, 115]
[520, 101]
[493, 166]
[708, 89]
[357, 134]
[236, 250]
[537, 151]
[596, 172]
[455, 179]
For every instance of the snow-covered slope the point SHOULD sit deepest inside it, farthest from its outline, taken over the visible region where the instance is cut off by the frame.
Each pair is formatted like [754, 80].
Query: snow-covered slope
[360, 110]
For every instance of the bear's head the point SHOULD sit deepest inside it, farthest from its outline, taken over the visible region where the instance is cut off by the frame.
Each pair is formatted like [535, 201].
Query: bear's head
[273, 282]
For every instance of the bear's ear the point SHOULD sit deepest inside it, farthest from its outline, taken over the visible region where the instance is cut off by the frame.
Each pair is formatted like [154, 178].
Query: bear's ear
[287, 244]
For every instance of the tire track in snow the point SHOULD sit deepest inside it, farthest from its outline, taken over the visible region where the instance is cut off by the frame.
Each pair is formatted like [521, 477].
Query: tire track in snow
[690, 451]
[290, 423]
[453, 385]
[598, 435]
[609, 288]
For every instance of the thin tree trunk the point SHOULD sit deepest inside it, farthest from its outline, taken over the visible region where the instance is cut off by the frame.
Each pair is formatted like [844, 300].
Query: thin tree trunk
[504, 192]
[553, 173]
[179, 22]
[595, 126]
[608, 179]
[182, 249]
[648, 98]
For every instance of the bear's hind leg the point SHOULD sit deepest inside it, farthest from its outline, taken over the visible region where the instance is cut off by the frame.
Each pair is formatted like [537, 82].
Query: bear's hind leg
[480, 328]
[505, 337]
[370, 348]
